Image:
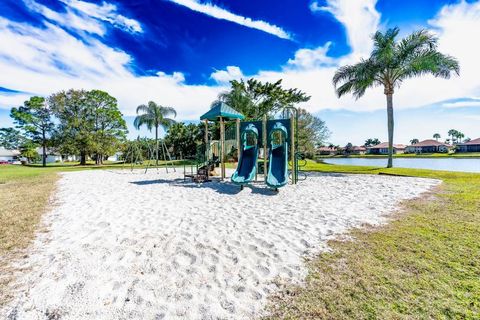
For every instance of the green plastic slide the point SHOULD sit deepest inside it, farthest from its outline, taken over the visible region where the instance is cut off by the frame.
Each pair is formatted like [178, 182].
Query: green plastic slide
[278, 159]
[247, 163]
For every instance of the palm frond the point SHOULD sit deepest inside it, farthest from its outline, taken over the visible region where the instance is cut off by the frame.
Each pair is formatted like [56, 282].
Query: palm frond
[356, 78]
[411, 45]
[144, 119]
[166, 123]
[384, 46]
[142, 109]
[429, 61]
[167, 111]
[152, 105]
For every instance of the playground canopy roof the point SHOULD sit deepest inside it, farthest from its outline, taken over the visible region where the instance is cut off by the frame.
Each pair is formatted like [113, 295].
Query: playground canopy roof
[223, 110]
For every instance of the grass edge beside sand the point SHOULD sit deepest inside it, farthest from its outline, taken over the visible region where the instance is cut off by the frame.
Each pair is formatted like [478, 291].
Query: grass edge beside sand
[423, 264]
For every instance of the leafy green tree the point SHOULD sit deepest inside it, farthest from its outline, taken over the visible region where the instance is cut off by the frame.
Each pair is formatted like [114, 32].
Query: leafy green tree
[255, 99]
[75, 131]
[437, 136]
[312, 132]
[348, 148]
[183, 139]
[392, 62]
[35, 118]
[11, 138]
[109, 128]
[371, 142]
[29, 150]
[89, 123]
[154, 116]
[414, 141]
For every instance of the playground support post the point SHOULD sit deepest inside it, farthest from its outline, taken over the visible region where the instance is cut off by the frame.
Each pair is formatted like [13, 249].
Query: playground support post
[206, 140]
[264, 138]
[292, 149]
[222, 145]
[238, 138]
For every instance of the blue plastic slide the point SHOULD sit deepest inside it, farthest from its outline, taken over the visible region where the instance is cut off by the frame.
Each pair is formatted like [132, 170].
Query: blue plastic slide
[247, 164]
[278, 164]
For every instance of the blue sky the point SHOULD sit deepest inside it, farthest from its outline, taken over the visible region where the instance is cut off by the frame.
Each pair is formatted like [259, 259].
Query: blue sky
[182, 53]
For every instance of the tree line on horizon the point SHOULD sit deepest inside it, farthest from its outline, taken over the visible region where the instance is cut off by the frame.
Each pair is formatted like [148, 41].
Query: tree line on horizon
[455, 136]
[90, 124]
[73, 122]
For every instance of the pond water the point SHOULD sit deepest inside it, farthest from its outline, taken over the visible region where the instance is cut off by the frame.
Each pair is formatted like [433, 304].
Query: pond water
[448, 164]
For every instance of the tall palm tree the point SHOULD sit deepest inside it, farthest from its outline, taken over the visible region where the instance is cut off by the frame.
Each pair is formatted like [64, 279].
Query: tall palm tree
[452, 133]
[390, 63]
[152, 116]
[437, 136]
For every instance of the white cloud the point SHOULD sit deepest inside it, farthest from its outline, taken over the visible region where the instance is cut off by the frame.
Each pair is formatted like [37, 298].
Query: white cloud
[360, 19]
[312, 58]
[223, 14]
[105, 12]
[224, 76]
[43, 60]
[461, 104]
[86, 16]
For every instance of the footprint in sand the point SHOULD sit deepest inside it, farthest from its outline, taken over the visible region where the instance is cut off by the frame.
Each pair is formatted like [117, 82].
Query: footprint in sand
[184, 258]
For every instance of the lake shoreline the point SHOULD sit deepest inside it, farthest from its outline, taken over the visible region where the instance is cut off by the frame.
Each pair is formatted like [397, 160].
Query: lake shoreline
[474, 155]
[468, 165]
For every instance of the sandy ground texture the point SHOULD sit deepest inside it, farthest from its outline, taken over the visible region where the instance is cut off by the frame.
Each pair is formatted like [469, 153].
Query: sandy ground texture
[124, 245]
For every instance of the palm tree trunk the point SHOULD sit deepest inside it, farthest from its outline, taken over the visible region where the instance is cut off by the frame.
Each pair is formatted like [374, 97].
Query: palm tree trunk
[390, 129]
[156, 148]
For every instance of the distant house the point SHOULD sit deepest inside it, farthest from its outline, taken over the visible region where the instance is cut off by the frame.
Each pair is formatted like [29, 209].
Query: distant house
[358, 150]
[54, 156]
[11, 156]
[325, 151]
[429, 146]
[115, 157]
[471, 146]
[382, 148]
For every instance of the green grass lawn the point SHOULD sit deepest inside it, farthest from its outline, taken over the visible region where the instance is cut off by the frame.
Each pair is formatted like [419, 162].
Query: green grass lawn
[425, 264]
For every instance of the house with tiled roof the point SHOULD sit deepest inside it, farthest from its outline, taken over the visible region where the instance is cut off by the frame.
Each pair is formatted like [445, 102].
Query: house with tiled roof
[429, 146]
[470, 146]
[358, 150]
[382, 148]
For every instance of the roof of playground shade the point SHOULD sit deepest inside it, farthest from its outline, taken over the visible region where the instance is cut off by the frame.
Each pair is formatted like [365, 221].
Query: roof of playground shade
[223, 110]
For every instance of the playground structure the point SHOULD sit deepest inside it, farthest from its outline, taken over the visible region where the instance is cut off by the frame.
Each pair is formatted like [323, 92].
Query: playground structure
[135, 154]
[272, 141]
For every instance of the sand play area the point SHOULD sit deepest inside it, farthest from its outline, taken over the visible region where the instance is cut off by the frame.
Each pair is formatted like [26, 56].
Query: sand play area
[122, 245]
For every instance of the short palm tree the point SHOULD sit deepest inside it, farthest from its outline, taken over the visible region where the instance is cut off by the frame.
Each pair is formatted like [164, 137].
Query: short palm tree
[460, 136]
[437, 136]
[390, 63]
[414, 141]
[152, 116]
